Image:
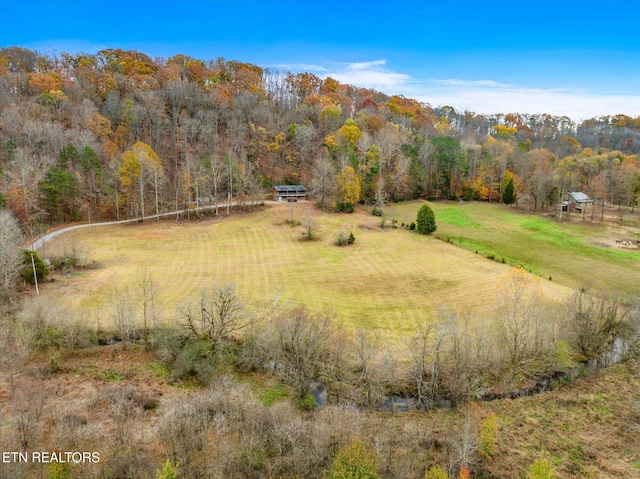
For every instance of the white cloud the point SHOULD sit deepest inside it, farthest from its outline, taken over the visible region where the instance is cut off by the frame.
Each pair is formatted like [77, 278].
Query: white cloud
[493, 97]
[371, 74]
[472, 83]
[481, 96]
[302, 67]
[366, 65]
[486, 96]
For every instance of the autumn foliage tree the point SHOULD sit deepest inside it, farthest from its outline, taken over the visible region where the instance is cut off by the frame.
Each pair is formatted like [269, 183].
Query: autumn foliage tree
[349, 188]
[141, 164]
[436, 472]
[355, 461]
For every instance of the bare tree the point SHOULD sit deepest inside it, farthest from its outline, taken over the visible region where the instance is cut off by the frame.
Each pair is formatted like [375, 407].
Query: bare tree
[419, 346]
[428, 164]
[122, 312]
[323, 180]
[125, 414]
[369, 367]
[519, 315]
[306, 140]
[299, 347]
[28, 406]
[311, 227]
[9, 357]
[464, 445]
[401, 177]
[148, 295]
[181, 430]
[470, 351]
[594, 323]
[10, 250]
[427, 350]
[219, 314]
[216, 169]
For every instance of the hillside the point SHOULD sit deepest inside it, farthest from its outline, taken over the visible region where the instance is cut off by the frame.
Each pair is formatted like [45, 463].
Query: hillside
[116, 134]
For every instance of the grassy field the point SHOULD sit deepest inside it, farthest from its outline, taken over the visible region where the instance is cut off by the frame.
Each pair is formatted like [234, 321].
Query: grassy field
[385, 281]
[571, 253]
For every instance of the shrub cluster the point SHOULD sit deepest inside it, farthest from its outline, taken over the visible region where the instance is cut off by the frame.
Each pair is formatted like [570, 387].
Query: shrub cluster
[344, 207]
[343, 239]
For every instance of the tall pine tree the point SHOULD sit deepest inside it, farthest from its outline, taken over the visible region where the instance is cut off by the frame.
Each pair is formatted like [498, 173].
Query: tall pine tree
[509, 195]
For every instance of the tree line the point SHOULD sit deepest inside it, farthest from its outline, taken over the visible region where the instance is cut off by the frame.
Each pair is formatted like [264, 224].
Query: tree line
[117, 134]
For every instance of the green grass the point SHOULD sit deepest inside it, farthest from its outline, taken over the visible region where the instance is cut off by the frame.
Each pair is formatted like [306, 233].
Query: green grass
[457, 217]
[161, 370]
[567, 252]
[114, 376]
[272, 394]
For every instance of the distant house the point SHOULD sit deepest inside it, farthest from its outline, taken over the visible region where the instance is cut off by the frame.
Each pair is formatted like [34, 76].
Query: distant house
[576, 200]
[289, 192]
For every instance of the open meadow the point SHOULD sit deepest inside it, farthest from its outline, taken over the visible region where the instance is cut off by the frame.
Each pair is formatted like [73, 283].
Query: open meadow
[572, 253]
[386, 280]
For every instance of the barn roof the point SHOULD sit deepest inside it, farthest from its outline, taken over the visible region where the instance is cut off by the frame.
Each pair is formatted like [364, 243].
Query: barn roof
[290, 189]
[579, 196]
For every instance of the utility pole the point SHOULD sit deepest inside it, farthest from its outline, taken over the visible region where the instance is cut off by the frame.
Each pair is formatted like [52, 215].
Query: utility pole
[230, 186]
[35, 276]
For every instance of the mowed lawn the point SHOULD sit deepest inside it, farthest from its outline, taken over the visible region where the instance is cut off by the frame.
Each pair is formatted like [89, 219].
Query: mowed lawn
[571, 253]
[386, 280]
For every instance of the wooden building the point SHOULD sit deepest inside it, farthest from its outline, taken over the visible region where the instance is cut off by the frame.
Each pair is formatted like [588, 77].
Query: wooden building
[289, 193]
[577, 200]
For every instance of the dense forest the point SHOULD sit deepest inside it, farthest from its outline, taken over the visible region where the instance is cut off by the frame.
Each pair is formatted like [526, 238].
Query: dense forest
[117, 134]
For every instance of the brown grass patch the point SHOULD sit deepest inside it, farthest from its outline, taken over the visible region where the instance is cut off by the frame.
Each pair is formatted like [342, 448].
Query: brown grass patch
[149, 236]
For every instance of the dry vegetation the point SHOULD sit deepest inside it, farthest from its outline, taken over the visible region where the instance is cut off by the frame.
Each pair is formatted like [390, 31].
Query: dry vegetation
[122, 403]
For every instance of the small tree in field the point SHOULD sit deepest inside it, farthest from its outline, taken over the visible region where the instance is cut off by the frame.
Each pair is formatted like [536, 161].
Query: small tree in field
[426, 222]
[311, 227]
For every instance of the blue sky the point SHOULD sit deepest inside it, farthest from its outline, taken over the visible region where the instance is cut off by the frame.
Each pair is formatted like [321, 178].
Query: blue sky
[574, 58]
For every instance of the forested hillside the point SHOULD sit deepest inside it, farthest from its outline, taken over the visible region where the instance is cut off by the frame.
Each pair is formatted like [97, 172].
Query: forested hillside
[116, 134]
